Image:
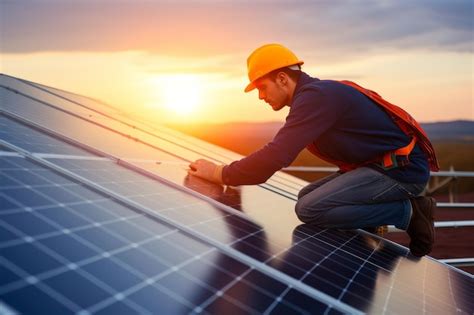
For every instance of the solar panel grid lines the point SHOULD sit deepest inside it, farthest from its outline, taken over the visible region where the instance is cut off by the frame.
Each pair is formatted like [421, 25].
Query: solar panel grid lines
[14, 122]
[67, 139]
[101, 126]
[198, 223]
[108, 124]
[263, 268]
[62, 304]
[103, 181]
[29, 239]
[186, 147]
[206, 229]
[192, 192]
[453, 296]
[214, 150]
[308, 272]
[152, 280]
[346, 288]
[113, 253]
[388, 241]
[181, 222]
[390, 289]
[354, 255]
[222, 197]
[324, 281]
[109, 254]
[230, 251]
[400, 290]
[68, 265]
[88, 148]
[97, 203]
[66, 95]
[121, 162]
[219, 293]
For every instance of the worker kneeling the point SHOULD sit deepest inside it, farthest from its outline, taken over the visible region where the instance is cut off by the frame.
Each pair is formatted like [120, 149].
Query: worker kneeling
[384, 156]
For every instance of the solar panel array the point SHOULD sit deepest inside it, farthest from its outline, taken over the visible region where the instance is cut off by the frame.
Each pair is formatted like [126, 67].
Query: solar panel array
[98, 215]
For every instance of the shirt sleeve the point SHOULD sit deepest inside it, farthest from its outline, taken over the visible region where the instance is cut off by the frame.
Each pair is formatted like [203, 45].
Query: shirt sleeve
[311, 114]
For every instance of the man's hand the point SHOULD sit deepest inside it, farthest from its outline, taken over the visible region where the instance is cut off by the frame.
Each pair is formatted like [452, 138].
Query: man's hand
[206, 170]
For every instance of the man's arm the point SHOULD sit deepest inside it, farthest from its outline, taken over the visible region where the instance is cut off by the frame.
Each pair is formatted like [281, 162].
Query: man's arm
[311, 115]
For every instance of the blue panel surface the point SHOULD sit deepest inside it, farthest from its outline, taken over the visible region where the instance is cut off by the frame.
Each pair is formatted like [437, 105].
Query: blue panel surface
[34, 141]
[346, 265]
[93, 254]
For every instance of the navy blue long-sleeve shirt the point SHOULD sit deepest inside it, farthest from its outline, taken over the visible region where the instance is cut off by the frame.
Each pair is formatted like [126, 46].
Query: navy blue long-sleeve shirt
[343, 123]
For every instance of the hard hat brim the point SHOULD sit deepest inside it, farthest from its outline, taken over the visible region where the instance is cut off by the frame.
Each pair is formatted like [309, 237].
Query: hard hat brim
[250, 87]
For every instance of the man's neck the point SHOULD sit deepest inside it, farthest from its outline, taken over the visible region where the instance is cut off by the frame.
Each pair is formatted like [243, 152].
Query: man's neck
[291, 91]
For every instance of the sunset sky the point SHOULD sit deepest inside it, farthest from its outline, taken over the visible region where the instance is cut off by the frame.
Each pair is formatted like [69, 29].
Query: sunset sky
[185, 61]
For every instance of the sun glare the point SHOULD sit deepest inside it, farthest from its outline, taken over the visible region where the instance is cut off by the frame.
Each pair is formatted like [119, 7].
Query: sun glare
[180, 94]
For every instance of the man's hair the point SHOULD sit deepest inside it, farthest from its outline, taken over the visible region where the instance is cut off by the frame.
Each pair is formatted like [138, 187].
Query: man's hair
[293, 72]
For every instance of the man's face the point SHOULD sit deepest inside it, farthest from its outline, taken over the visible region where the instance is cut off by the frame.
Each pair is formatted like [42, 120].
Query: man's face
[273, 92]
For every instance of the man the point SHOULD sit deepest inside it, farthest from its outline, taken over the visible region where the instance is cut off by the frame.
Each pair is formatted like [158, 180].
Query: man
[383, 155]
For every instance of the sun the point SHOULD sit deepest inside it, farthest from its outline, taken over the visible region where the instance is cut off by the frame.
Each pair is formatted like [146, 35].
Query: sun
[180, 94]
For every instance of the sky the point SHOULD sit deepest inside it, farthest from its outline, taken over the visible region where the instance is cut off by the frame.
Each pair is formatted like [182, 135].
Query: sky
[185, 61]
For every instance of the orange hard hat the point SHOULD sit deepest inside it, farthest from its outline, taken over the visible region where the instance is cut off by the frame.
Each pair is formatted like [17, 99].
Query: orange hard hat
[267, 58]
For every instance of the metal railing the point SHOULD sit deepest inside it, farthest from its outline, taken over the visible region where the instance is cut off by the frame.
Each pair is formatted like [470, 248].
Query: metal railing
[451, 177]
[450, 180]
[450, 174]
[458, 262]
[329, 169]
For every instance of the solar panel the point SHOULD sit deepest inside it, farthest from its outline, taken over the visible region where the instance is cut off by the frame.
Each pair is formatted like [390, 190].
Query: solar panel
[90, 108]
[78, 185]
[92, 253]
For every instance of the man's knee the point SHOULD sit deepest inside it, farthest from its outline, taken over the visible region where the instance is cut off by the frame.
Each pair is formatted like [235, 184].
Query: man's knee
[303, 192]
[309, 212]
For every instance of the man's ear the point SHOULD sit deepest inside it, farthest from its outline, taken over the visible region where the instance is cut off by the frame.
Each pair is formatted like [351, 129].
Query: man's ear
[282, 78]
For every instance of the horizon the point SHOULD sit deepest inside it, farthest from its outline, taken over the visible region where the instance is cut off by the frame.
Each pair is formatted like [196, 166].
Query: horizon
[150, 59]
[280, 122]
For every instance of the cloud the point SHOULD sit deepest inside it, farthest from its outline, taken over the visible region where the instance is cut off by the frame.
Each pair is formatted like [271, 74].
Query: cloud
[325, 29]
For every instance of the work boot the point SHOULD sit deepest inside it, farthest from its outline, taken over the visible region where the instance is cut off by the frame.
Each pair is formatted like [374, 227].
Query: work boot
[421, 227]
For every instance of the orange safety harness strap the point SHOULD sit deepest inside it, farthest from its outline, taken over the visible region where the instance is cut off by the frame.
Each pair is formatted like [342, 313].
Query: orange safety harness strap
[389, 159]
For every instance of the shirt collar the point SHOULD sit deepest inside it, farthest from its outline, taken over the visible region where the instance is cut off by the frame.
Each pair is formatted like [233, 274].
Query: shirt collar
[303, 80]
